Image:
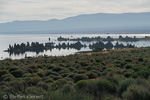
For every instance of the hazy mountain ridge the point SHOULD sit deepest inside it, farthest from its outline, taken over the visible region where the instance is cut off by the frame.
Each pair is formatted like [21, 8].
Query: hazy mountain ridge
[87, 22]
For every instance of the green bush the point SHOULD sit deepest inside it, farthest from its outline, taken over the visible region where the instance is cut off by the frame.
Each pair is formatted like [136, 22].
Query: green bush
[96, 72]
[123, 85]
[18, 86]
[79, 77]
[96, 87]
[81, 84]
[36, 91]
[67, 88]
[128, 66]
[3, 91]
[128, 74]
[65, 70]
[128, 60]
[49, 72]
[105, 85]
[57, 69]
[27, 75]
[49, 80]
[13, 69]
[64, 74]
[81, 71]
[140, 59]
[70, 96]
[55, 77]
[91, 75]
[34, 80]
[17, 73]
[136, 92]
[71, 68]
[43, 85]
[71, 75]
[7, 77]
[109, 97]
[58, 84]
[145, 72]
[40, 74]
[88, 86]
[3, 72]
[50, 67]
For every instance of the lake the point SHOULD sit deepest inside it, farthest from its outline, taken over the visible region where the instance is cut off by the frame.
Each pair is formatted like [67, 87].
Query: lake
[6, 39]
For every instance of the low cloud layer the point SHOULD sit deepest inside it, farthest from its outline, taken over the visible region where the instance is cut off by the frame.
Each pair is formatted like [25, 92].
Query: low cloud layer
[11, 10]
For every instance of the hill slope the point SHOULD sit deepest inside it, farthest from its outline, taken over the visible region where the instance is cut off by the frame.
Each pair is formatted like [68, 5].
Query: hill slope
[88, 22]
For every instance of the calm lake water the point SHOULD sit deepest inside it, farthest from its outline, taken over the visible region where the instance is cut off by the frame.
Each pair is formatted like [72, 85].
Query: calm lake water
[6, 39]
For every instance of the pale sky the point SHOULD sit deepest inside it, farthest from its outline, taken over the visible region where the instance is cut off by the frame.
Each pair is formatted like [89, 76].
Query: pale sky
[11, 10]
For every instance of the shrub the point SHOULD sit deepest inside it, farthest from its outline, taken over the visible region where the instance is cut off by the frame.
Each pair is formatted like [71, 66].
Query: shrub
[97, 72]
[7, 77]
[36, 91]
[128, 60]
[70, 96]
[109, 97]
[40, 74]
[79, 77]
[55, 77]
[144, 72]
[136, 92]
[81, 84]
[91, 75]
[105, 85]
[43, 85]
[65, 70]
[128, 66]
[34, 80]
[13, 69]
[18, 85]
[58, 84]
[116, 78]
[57, 69]
[127, 74]
[71, 75]
[81, 71]
[51, 66]
[27, 75]
[124, 85]
[49, 72]
[89, 68]
[17, 73]
[64, 74]
[84, 63]
[3, 72]
[71, 68]
[88, 86]
[140, 59]
[40, 66]
[49, 80]
[3, 91]
[96, 87]
[67, 89]
[68, 79]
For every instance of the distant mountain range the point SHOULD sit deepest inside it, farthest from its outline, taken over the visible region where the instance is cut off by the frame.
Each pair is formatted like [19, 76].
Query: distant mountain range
[101, 22]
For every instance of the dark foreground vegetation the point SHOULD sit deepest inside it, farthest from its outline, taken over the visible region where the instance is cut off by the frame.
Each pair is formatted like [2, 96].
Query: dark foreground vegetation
[121, 74]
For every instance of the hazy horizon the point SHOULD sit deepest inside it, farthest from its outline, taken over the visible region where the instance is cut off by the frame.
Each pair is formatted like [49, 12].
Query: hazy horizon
[101, 22]
[72, 16]
[21, 10]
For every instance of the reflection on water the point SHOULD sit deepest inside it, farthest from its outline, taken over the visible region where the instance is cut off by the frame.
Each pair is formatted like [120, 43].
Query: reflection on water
[6, 39]
[54, 52]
